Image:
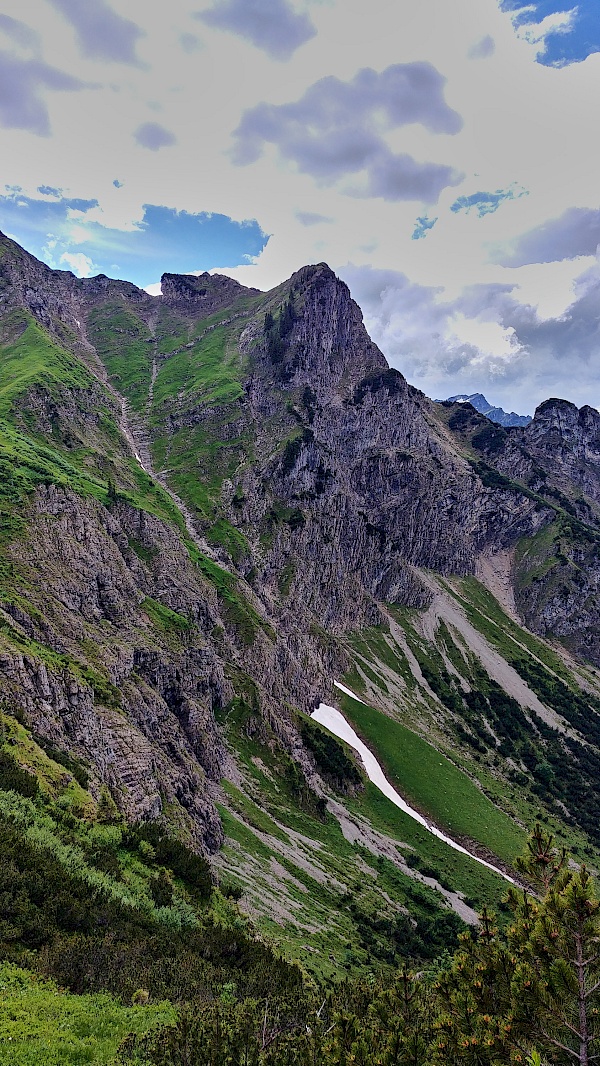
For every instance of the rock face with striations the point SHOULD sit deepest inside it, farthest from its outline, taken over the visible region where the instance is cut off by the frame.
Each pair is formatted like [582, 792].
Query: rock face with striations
[295, 485]
[567, 439]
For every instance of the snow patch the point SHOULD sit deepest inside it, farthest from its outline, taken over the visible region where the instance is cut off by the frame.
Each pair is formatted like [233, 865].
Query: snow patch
[334, 721]
[349, 692]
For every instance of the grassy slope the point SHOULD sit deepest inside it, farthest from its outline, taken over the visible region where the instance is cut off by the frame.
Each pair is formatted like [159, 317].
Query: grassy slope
[39, 1023]
[121, 340]
[29, 359]
[525, 790]
[306, 907]
[431, 783]
[264, 821]
[199, 454]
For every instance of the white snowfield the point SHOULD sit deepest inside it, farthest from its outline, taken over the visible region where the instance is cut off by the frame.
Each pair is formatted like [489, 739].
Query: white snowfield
[335, 722]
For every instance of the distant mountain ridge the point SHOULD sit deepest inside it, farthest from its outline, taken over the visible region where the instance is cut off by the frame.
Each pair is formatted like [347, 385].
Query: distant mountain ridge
[495, 414]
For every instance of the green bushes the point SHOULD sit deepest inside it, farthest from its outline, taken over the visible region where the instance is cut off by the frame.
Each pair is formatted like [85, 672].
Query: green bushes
[490, 439]
[71, 909]
[185, 863]
[299, 788]
[335, 765]
[505, 997]
[74, 766]
[14, 778]
[42, 1026]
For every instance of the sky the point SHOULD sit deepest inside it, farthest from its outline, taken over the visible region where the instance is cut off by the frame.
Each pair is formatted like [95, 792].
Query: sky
[441, 156]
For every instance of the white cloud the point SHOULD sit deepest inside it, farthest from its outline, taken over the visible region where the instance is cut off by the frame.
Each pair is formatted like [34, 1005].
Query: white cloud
[536, 32]
[80, 264]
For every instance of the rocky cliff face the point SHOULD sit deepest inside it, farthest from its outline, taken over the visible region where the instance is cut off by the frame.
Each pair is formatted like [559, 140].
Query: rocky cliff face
[202, 295]
[100, 670]
[567, 441]
[277, 484]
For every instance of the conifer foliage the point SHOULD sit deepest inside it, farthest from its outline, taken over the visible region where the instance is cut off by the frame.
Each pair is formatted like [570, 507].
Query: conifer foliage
[527, 994]
[536, 987]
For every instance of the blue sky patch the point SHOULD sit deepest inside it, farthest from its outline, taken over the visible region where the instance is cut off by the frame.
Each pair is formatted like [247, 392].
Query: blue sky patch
[49, 190]
[165, 239]
[422, 227]
[561, 48]
[485, 203]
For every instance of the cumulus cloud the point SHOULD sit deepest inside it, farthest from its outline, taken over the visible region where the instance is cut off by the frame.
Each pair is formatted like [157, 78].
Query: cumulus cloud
[337, 128]
[409, 322]
[80, 264]
[101, 32]
[271, 25]
[403, 93]
[483, 48]
[558, 355]
[19, 32]
[576, 232]
[485, 339]
[21, 84]
[154, 136]
[400, 177]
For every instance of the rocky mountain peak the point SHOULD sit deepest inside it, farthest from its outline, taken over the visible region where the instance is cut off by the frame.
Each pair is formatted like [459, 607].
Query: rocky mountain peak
[567, 439]
[205, 293]
[495, 414]
[206, 519]
[328, 345]
[562, 421]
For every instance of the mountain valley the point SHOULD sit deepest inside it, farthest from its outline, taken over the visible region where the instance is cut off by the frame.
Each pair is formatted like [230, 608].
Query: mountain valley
[215, 504]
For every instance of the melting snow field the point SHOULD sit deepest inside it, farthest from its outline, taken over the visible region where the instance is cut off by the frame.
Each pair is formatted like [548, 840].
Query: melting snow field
[335, 722]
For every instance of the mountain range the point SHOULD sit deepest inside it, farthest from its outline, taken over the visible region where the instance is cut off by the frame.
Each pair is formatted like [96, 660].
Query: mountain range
[216, 503]
[495, 414]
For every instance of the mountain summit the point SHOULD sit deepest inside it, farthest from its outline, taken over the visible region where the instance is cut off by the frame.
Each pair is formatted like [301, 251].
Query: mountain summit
[495, 414]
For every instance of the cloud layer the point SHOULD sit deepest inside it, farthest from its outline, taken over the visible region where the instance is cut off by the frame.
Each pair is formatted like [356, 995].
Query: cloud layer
[336, 125]
[271, 25]
[154, 136]
[101, 32]
[64, 230]
[575, 233]
[426, 337]
[338, 129]
[22, 85]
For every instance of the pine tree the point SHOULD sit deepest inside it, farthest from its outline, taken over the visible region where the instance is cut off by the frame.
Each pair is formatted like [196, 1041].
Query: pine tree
[556, 987]
[534, 991]
[542, 862]
[475, 1022]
